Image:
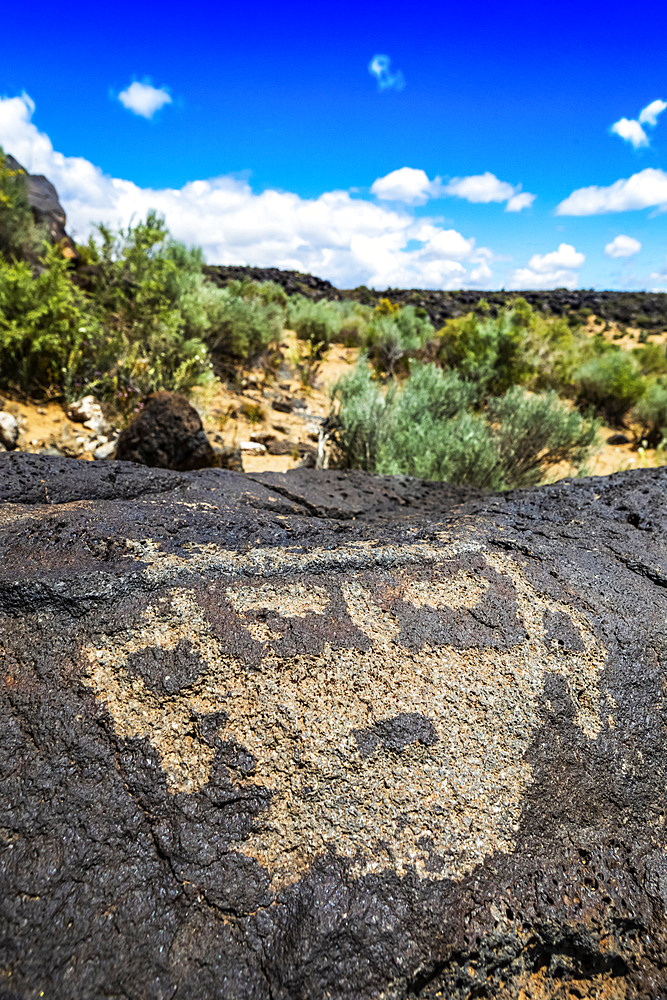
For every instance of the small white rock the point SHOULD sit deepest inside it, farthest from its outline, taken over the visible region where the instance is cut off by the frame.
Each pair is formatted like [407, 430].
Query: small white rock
[105, 451]
[313, 431]
[87, 411]
[97, 424]
[252, 448]
[9, 430]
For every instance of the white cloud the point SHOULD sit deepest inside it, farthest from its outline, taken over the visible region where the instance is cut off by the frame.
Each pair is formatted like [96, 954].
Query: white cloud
[630, 130]
[348, 240]
[622, 246]
[565, 256]
[144, 99]
[649, 114]
[485, 188]
[412, 186]
[520, 201]
[646, 189]
[480, 188]
[380, 68]
[406, 184]
[550, 270]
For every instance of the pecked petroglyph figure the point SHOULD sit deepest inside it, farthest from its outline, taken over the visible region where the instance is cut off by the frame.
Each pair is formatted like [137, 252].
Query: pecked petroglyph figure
[389, 752]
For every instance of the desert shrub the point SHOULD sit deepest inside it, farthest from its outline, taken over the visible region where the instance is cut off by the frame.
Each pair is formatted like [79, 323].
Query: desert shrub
[651, 358]
[358, 419]
[267, 291]
[650, 414]
[47, 335]
[241, 326]
[555, 349]
[395, 333]
[612, 384]
[489, 351]
[533, 432]
[425, 428]
[146, 283]
[149, 297]
[20, 236]
[133, 330]
[272, 292]
[319, 322]
[354, 320]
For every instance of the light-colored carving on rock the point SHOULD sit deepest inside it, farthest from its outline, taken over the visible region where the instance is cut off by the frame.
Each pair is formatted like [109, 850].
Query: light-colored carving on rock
[458, 798]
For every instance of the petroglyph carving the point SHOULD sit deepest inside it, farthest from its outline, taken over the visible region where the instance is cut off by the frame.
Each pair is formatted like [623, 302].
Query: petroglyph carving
[440, 804]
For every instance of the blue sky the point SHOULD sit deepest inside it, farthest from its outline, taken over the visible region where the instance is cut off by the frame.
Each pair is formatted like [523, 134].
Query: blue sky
[507, 148]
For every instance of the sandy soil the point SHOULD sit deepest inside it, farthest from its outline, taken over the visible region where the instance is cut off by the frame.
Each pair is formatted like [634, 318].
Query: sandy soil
[625, 337]
[232, 415]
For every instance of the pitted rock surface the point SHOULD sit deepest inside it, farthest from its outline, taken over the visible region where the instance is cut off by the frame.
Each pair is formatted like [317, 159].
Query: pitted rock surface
[325, 735]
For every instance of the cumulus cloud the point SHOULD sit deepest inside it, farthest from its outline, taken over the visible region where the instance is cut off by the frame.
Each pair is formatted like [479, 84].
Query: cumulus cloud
[622, 246]
[646, 189]
[520, 201]
[380, 68]
[346, 239]
[631, 129]
[485, 188]
[550, 270]
[405, 184]
[144, 99]
[649, 114]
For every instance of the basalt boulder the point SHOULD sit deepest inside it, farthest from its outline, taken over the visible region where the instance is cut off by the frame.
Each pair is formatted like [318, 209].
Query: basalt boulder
[288, 737]
[45, 206]
[167, 434]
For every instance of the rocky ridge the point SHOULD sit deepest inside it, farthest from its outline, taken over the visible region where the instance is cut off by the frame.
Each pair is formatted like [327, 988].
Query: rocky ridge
[647, 310]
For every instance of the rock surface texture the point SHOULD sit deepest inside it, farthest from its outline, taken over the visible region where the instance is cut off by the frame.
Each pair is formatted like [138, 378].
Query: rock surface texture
[328, 736]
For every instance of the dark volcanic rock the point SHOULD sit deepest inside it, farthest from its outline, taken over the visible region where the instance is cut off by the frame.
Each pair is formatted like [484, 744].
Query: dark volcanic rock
[45, 205]
[167, 434]
[324, 735]
[646, 310]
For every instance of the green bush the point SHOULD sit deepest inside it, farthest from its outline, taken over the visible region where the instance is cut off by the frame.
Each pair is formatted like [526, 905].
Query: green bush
[491, 352]
[395, 333]
[358, 419]
[319, 322]
[612, 384]
[135, 329]
[47, 333]
[241, 326]
[20, 236]
[651, 358]
[650, 414]
[425, 429]
[354, 320]
[533, 432]
[267, 291]
[517, 347]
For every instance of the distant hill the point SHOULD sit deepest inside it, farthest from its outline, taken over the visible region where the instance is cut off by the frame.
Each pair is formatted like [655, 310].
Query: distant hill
[646, 310]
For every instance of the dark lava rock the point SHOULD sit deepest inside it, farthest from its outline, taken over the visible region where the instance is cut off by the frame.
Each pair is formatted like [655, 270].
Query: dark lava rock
[618, 439]
[647, 310]
[167, 434]
[45, 205]
[229, 457]
[282, 405]
[288, 737]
